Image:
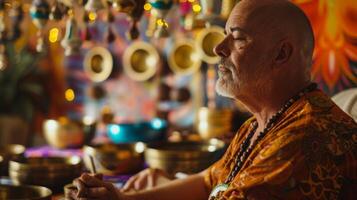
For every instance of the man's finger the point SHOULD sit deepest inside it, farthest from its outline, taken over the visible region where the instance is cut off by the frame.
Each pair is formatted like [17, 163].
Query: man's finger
[81, 188]
[91, 181]
[140, 183]
[129, 184]
[151, 180]
[98, 192]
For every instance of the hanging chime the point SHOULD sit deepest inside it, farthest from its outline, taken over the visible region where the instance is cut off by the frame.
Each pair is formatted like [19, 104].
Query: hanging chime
[125, 6]
[135, 16]
[56, 12]
[39, 12]
[159, 10]
[71, 42]
[94, 5]
[109, 35]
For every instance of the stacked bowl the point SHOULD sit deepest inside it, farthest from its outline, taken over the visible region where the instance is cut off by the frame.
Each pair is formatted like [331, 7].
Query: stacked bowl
[213, 122]
[51, 172]
[186, 157]
[21, 192]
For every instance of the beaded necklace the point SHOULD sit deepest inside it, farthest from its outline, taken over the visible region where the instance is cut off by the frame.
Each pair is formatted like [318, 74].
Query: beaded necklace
[245, 148]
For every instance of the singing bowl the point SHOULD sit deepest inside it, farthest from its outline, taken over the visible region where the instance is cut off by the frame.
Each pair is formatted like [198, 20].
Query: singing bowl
[213, 123]
[7, 153]
[207, 40]
[52, 172]
[184, 58]
[186, 157]
[98, 64]
[67, 133]
[113, 159]
[140, 61]
[21, 192]
[145, 131]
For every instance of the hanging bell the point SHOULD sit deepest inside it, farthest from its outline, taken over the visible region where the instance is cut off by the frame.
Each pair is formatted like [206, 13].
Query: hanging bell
[39, 12]
[109, 35]
[56, 12]
[71, 42]
[161, 29]
[133, 32]
[125, 6]
[160, 9]
[93, 5]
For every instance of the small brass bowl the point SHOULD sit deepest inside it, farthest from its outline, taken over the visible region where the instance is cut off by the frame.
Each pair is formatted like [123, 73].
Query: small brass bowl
[186, 157]
[7, 153]
[67, 133]
[21, 192]
[52, 172]
[112, 159]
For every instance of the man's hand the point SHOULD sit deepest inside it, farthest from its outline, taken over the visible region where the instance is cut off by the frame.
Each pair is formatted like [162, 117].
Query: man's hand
[93, 187]
[146, 179]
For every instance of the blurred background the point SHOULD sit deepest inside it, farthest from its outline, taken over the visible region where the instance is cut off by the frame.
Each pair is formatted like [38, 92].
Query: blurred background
[75, 73]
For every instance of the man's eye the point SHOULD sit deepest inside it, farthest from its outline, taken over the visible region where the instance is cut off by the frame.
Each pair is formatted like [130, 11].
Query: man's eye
[239, 38]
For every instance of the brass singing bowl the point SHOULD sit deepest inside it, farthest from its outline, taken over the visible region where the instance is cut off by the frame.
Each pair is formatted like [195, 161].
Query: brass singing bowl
[184, 57]
[66, 133]
[113, 159]
[140, 61]
[186, 157]
[98, 64]
[52, 172]
[7, 153]
[213, 122]
[207, 40]
[205, 113]
[21, 192]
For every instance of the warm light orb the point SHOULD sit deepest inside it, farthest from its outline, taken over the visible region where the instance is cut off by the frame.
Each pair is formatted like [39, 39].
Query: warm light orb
[147, 6]
[196, 8]
[53, 35]
[69, 95]
[92, 16]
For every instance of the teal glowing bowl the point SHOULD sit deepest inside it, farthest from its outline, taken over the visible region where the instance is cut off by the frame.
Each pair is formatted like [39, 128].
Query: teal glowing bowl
[146, 131]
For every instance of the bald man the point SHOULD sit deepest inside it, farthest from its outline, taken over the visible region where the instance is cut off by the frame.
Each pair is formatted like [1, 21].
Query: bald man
[297, 145]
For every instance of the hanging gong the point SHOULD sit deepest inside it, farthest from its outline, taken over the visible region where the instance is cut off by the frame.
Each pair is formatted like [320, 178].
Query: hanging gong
[207, 40]
[184, 57]
[140, 61]
[98, 64]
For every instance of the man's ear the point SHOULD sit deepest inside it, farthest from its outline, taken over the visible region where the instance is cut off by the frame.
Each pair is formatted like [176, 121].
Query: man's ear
[284, 53]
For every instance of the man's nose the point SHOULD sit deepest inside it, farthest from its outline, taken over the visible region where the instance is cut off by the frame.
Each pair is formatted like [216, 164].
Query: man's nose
[222, 49]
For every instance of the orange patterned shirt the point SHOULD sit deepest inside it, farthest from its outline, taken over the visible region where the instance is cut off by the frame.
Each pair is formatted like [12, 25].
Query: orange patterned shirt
[310, 153]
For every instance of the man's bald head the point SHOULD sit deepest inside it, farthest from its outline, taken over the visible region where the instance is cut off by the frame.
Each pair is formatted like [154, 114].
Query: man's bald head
[277, 20]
